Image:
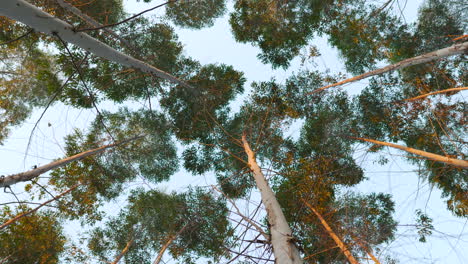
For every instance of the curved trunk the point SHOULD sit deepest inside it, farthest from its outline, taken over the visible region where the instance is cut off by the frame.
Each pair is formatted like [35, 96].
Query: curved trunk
[41, 21]
[284, 249]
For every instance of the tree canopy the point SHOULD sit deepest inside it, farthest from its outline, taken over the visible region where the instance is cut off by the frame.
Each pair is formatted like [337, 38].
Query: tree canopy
[159, 112]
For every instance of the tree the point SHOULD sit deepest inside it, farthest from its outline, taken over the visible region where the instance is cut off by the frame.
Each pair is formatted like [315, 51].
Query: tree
[98, 56]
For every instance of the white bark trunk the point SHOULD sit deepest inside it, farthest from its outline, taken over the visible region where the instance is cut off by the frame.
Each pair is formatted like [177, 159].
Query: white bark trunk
[284, 249]
[438, 54]
[31, 174]
[455, 162]
[41, 21]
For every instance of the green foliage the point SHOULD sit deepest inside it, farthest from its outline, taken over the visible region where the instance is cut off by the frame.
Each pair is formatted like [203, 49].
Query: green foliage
[27, 77]
[278, 28]
[195, 220]
[424, 225]
[152, 157]
[195, 14]
[315, 168]
[36, 238]
[196, 111]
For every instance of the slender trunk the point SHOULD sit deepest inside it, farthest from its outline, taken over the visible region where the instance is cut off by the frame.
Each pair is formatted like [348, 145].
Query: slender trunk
[439, 158]
[281, 235]
[90, 20]
[31, 174]
[18, 217]
[438, 54]
[371, 255]
[124, 251]
[368, 250]
[437, 92]
[332, 234]
[41, 21]
[169, 241]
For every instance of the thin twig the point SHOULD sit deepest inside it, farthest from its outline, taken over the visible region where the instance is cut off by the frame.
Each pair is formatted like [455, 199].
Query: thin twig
[125, 20]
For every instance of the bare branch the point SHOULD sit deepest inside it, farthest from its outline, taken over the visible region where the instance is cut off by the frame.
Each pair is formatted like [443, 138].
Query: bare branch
[16, 218]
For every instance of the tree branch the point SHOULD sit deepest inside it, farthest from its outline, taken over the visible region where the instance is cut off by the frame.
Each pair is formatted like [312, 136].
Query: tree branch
[31, 174]
[438, 54]
[435, 157]
[437, 92]
[332, 234]
[16, 218]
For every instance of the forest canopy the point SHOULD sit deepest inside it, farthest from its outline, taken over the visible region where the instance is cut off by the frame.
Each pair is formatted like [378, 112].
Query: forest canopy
[159, 112]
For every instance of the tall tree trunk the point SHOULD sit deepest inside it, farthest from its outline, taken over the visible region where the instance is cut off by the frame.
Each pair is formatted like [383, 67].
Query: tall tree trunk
[41, 21]
[332, 234]
[281, 235]
[455, 162]
[438, 54]
[166, 245]
[31, 174]
[18, 217]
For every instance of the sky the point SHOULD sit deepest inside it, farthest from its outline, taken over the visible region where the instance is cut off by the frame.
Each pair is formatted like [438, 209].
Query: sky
[448, 244]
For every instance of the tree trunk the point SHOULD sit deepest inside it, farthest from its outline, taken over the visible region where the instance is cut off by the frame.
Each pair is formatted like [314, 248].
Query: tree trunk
[124, 251]
[438, 54]
[41, 21]
[332, 234]
[169, 241]
[455, 162]
[367, 249]
[437, 92]
[31, 174]
[18, 217]
[284, 249]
